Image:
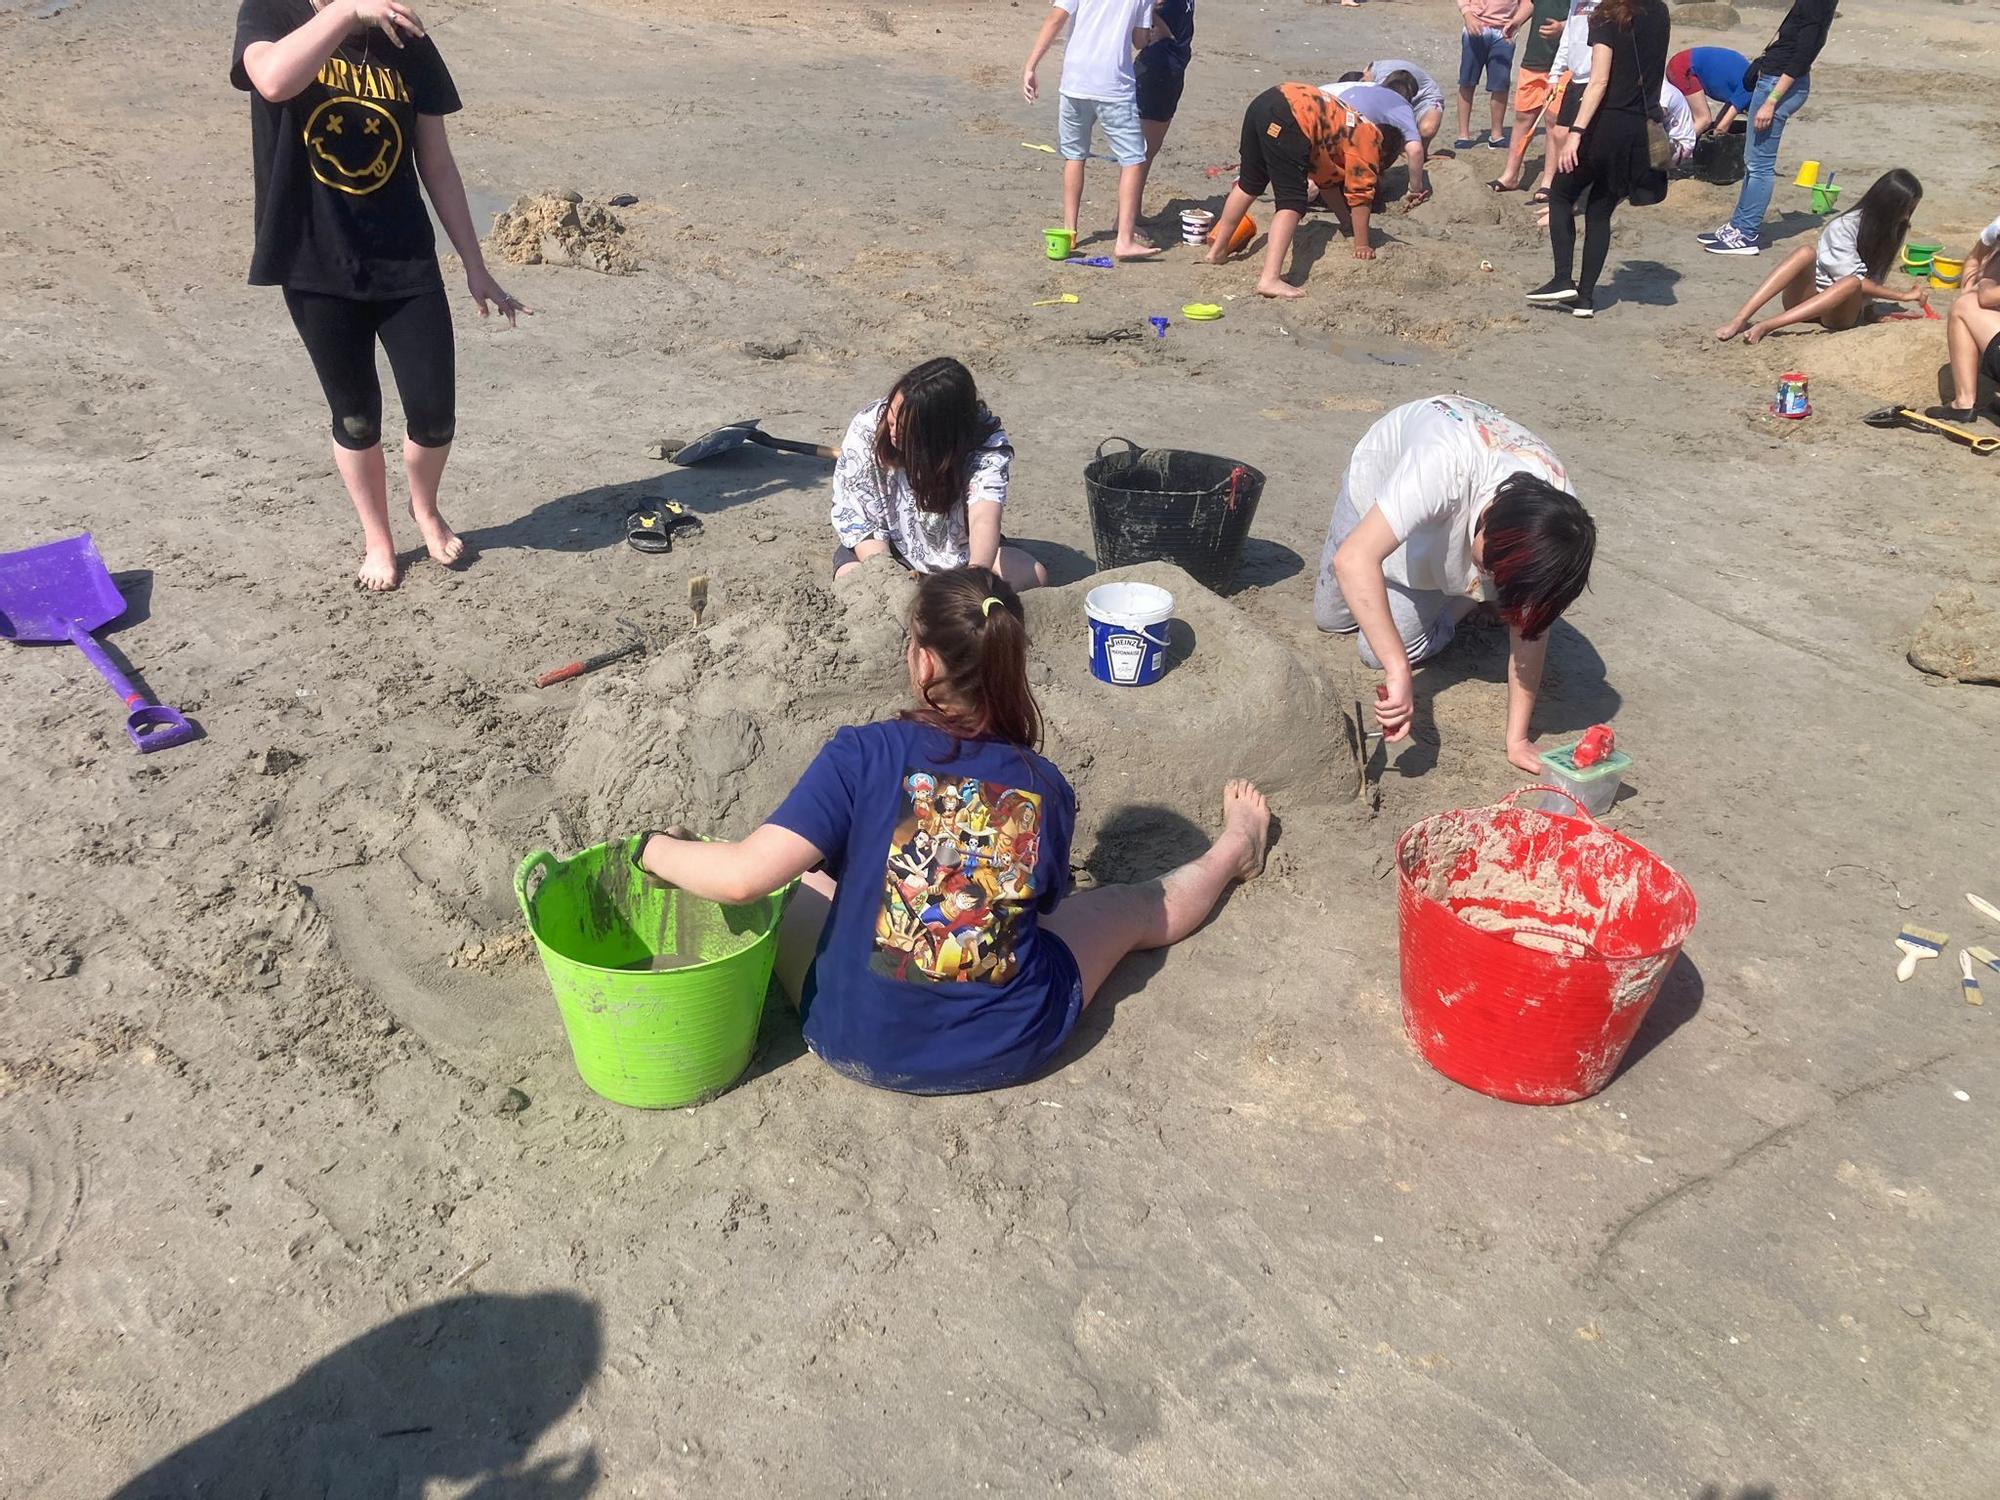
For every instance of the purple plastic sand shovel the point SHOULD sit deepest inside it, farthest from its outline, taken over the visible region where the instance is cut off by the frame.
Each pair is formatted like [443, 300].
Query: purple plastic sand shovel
[62, 592]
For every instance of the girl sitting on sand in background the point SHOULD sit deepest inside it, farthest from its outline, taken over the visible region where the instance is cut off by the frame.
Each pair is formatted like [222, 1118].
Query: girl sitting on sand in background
[922, 477]
[1831, 283]
[939, 950]
[1294, 138]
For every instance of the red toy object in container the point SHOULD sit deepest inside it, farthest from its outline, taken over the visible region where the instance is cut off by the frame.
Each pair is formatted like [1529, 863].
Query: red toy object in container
[1597, 742]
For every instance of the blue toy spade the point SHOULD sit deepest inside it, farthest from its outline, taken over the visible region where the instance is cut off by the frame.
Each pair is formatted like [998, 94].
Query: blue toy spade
[62, 591]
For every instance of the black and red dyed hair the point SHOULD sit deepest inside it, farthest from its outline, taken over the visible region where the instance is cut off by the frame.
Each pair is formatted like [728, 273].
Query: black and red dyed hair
[1538, 546]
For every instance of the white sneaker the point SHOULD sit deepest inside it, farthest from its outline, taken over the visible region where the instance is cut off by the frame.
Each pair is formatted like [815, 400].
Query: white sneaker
[1729, 240]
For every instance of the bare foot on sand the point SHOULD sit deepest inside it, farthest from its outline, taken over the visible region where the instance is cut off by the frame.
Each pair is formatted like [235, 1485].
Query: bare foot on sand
[1246, 828]
[1216, 255]
[1136, 250]
[1756, 335]
[1279, 289]
[1729, 330]
[377, 573]
[444, 545]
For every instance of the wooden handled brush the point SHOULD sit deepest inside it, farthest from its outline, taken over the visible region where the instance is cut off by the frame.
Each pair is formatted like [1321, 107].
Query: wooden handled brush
[1917, 943]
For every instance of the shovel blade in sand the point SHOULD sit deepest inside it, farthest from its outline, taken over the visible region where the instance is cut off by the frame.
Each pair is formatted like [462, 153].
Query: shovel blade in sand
[735, 435]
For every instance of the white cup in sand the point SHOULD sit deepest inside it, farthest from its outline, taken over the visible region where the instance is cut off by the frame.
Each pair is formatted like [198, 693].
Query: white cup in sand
[1195, 224]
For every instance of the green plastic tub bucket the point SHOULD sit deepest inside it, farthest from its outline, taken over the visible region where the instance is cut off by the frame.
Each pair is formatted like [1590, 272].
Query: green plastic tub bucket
[660, 991]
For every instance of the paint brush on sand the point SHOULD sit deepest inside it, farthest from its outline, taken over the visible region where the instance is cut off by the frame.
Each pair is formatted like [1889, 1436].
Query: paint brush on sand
[1984, 908]
[1986, 956]
[1917, 943]
[698, 597]
[1969, 985]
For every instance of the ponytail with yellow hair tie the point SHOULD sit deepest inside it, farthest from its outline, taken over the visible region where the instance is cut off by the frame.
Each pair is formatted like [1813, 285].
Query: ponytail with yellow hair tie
[987, 606]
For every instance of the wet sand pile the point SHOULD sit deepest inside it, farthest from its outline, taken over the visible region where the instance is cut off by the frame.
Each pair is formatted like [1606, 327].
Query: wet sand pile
[560, 229]
[1894, 361]
[714, 732]
[1959, 636]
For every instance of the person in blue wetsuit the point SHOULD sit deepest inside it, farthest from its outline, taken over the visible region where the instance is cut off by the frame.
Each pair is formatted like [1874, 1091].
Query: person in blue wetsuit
[934, 945]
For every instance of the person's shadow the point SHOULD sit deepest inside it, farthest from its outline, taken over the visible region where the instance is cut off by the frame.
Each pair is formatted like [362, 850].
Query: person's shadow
[460, 1390]
[1649, 282]
[587, 519]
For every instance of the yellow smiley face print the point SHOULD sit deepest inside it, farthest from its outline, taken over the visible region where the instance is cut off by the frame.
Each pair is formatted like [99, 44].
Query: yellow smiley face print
[354, 145]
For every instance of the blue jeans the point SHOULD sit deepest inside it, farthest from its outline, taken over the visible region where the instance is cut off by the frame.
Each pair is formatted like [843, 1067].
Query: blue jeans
[1760, 155]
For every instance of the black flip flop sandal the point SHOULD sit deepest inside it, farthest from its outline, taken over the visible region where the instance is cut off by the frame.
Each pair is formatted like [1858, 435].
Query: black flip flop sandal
[1500, 187]
[651, 529]
[1540, 195]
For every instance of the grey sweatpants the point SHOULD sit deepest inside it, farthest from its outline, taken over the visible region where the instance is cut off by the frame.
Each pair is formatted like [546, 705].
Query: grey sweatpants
[1425, 618]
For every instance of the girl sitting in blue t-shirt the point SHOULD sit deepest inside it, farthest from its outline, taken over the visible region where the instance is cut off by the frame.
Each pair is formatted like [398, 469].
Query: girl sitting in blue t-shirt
[939, 950]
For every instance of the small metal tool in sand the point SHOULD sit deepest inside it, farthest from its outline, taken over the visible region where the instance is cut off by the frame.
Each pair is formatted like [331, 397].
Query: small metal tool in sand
[698, 597]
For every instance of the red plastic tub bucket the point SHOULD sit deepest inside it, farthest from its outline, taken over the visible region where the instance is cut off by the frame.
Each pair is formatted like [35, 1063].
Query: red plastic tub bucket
[1533, 945]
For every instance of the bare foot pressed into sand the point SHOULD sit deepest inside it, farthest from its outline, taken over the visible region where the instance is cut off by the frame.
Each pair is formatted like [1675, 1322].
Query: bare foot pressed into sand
[1729, 330]
[1246, 827]
[1137, 250]
[444, 545]
[377, 573]
[1756, 335]
[1279, 289]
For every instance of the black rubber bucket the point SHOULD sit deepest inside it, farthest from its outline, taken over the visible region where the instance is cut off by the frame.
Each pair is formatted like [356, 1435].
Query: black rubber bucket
[1167, 505]
[1717, 159]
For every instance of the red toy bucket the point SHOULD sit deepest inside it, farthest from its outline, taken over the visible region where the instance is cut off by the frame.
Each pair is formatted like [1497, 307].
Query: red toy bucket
[1533, 945]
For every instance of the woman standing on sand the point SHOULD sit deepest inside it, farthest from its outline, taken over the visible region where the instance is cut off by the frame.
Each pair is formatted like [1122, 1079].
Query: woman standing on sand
[1606, 157]
[348, 99]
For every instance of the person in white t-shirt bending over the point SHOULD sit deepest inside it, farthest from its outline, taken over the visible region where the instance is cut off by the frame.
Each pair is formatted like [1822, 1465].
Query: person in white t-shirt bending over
[1445, 499]
[1099, 85]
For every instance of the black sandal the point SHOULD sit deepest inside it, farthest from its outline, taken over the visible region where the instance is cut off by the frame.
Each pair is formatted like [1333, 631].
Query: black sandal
[1500, 187]
[1952, 413]
[651, 529]
[1540, 195]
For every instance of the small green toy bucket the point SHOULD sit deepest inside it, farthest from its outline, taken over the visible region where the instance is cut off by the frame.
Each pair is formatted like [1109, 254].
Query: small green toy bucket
[1826, 198]
[660, 991]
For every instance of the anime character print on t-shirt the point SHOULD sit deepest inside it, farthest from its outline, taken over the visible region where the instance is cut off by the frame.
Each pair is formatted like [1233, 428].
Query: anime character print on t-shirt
[1500, 434]
[961, 868]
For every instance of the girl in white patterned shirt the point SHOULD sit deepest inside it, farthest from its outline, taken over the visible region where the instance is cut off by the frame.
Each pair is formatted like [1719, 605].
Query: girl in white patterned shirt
[922, 477]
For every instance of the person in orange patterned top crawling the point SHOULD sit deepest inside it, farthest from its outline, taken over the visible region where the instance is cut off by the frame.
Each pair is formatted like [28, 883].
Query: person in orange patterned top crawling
[1295, 139]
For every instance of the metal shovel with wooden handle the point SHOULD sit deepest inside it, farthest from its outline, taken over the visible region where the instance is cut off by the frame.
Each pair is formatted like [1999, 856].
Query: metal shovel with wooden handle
[1903, 416]
[735, 435]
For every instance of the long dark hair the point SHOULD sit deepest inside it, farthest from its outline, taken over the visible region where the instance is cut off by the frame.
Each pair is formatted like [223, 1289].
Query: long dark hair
[1620, 13]
[1886, 210]
[971, 621]
[940, 426]
[1538, 547]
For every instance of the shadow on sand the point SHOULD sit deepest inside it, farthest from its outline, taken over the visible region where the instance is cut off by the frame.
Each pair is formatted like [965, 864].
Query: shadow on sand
[457, 1391]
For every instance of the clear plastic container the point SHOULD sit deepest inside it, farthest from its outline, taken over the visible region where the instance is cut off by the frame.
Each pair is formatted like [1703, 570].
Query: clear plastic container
[1596, 787]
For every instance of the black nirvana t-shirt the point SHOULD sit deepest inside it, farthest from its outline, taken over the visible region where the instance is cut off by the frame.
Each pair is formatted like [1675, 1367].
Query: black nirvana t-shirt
[339, 207]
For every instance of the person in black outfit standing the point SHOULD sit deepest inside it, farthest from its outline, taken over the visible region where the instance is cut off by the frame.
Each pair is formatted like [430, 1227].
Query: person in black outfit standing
[1161, 71]
[348, 99]
[1606, 159]
[1780, 81]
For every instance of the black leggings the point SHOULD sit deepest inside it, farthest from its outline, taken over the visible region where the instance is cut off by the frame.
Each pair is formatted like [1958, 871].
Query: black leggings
[340, 335]
[1598, 206]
